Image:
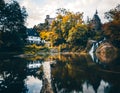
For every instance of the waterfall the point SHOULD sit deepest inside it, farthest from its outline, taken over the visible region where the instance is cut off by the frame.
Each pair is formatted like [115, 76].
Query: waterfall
[95, 45]
[91, 52]
[92, 49]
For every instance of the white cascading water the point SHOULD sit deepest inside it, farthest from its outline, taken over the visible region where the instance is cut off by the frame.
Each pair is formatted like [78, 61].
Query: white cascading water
[91, 51]
[93, 48]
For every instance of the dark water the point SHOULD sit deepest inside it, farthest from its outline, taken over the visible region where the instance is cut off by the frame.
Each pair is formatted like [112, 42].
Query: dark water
[59, 74]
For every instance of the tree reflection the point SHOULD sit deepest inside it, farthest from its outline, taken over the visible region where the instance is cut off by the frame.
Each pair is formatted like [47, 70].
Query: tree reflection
[106, 57]
[15, 73]
[76, 72]
[12, 72]
[69, 74]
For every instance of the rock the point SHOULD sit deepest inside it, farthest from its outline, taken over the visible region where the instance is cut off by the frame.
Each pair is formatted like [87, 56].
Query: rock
[106, 52]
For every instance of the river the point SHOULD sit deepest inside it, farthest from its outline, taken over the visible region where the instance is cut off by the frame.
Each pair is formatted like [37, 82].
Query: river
[59, 73]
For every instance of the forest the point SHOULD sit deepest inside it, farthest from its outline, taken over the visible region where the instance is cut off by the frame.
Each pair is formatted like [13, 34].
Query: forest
[68, 30]
[12, 28]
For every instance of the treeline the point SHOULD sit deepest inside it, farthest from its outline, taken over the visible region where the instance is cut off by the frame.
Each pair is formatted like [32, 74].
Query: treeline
[68, 30]
[12, 29]
[71, 32]
[112, 28]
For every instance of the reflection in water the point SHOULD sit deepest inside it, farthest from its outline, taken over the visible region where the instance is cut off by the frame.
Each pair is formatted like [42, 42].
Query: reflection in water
[47, 71]
[33, 84]
[34, 64]
[94, 58]
[47, 87]
[103, 58]
[87, 88]
[75, 73]
[12, 73]
[66, 74]
[104, 87]
[106, 57]
[47, 84]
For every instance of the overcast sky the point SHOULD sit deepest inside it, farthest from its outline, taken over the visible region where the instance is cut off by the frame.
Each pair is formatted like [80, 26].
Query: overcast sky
[38, 9]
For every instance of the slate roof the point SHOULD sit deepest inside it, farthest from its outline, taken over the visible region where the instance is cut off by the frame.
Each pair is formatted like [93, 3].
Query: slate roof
[32, 32]
[96, 17]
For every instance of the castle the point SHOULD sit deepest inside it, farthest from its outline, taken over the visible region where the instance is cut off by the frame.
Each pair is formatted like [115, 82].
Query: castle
[95, 23]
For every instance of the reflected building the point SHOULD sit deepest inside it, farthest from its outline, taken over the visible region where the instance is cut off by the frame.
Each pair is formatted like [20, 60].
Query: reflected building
[34, 64]
[47, 78]
[79, 77]
[33, 68]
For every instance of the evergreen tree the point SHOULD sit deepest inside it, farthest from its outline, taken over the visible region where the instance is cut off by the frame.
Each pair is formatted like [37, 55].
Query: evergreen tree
[12, 26]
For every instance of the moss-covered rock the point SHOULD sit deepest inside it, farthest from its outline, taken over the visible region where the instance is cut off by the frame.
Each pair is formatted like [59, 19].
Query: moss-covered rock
[106, 52]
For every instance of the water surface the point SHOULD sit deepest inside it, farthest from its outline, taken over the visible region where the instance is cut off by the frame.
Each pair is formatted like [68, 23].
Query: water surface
[60, 73]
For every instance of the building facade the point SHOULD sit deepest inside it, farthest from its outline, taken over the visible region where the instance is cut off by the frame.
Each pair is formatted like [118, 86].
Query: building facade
[33, 37]
[49, 20]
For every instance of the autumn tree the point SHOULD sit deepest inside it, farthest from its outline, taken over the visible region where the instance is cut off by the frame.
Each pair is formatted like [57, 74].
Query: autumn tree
[112, 28]
[69, 27]
[78, 35]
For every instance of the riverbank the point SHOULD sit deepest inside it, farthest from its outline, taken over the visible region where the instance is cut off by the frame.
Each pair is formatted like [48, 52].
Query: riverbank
[9, 54]
[42, 51]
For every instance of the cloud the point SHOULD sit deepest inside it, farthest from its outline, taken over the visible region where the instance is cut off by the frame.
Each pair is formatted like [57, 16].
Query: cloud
[90, 6]
[38, 9]
[33, 12]
[37, 12]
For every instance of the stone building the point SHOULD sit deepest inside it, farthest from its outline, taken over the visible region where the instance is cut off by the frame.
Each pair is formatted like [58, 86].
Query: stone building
[95, 23]
[46, 24]
[49, 20]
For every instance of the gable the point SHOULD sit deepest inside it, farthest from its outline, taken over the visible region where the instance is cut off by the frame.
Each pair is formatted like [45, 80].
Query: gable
[32, 32]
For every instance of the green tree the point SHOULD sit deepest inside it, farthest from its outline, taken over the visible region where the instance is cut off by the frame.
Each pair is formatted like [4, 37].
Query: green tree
[2, 6]
[78, 35]
[12, 26]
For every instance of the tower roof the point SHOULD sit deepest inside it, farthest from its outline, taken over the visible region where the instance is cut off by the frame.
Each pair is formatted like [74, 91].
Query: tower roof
[96, 12]
[96, 17]
[96, 21]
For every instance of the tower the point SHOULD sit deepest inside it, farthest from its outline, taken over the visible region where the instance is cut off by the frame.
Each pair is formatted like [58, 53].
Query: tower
[96, 22]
